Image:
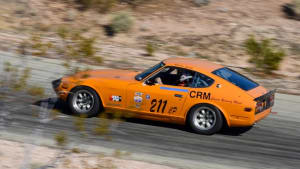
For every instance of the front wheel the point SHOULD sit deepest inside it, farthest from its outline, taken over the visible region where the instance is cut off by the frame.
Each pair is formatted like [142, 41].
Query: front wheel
[84, 101]
[205, 119]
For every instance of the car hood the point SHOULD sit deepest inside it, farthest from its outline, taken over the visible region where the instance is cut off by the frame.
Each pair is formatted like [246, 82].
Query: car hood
[108, 74]
[258, 91]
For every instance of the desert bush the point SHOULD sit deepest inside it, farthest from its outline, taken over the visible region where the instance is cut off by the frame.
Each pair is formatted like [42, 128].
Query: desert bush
[71, 46]
[98, 59]
[76, 150]
[85, 3]
[296, 4]
[76, 46]
[122, 22]
[21, 82]
[62, 32]
[11, 74]
[61, 139]
[23, 47]
[39, 46]
[8, 67]
[36, 91]
[102, 128]
[79, 123]
[100, 5]
[104, 5]
[119, 154]
[263, 54]
[16, 79]
[66, 64]
[86, 47]
[150, 49]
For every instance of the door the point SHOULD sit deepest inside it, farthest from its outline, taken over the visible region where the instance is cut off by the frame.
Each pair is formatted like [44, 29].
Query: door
[168, 101]
[157, 100]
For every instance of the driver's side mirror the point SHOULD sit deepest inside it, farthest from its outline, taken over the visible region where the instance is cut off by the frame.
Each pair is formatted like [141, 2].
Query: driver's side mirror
[149, 82]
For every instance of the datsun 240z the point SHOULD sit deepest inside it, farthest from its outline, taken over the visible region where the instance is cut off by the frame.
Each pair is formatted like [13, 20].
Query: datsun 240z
[200, 94]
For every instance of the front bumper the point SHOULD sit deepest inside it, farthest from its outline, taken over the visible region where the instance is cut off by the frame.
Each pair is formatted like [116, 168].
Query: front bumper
[59, 89]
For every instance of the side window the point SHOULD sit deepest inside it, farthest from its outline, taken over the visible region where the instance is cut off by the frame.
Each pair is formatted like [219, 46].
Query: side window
[201, 81]
[174, 76]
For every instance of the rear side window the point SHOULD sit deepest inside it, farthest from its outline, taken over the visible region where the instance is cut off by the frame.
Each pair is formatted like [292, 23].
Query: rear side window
[201, 81]
[236, 78]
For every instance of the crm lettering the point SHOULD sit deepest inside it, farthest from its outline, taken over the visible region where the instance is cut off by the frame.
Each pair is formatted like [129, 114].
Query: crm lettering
[200, 95]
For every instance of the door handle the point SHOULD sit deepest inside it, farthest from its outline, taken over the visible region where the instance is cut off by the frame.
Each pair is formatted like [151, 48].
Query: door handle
[178, 95]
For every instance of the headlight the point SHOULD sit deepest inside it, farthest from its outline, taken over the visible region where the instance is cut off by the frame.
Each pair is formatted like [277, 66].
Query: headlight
[56, 83]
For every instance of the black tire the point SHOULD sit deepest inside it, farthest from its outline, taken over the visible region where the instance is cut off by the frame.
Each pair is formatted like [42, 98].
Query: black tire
[81, 108]
[205, 123]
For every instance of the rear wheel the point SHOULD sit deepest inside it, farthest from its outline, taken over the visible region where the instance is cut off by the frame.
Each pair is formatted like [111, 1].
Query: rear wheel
[205, 119]
[84, 101]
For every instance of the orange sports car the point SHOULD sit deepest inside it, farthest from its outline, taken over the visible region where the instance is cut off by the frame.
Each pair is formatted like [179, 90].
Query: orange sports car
[189, 91]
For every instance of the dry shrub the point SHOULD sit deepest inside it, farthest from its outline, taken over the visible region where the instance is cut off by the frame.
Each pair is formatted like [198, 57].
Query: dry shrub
[264, 55]
[36, 91]
[122, 22]
[150, 49]
[101, 6]
[61, 139]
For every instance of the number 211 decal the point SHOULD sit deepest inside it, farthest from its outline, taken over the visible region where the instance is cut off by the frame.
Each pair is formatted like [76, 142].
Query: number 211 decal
[160, 102]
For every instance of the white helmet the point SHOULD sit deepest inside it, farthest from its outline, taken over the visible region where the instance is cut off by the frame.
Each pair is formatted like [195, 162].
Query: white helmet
[184, 77]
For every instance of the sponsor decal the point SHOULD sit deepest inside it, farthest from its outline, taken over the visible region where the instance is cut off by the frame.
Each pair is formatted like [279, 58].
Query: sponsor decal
[215, 99]
[148, 97]
[174, 89]
[138, 99]
[115, 98]
[200, 95]
[172, 110]
[237, 102]
[138, 94]
[225, 100]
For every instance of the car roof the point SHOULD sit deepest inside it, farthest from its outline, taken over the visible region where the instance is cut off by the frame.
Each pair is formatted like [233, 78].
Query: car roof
[199, 64]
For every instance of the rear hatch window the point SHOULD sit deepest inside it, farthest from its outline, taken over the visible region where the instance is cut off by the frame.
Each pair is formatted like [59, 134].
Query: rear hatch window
[236, 78]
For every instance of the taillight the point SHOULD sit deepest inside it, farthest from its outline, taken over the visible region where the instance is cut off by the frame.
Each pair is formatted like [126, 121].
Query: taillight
[265, 101]
[259, 107]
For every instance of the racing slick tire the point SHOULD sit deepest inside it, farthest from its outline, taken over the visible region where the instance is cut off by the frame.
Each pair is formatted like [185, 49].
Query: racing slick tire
[205, 119]
[84, 101]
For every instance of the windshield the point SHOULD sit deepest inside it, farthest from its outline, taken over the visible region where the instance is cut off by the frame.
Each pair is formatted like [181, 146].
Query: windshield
[147, 72]
[236, 78]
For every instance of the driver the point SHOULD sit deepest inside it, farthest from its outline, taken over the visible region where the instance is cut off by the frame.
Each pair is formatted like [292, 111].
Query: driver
[184, 80]
[158, 80]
